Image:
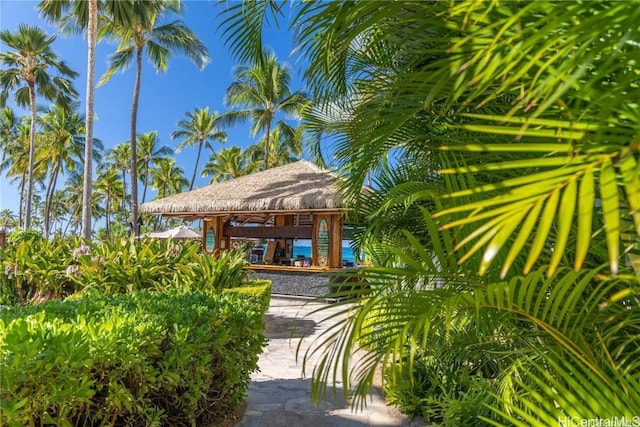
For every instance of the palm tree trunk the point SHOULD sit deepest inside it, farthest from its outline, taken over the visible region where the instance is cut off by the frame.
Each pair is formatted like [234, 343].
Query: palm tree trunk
[123, 203]
[195, 168]
[146, 181]
[108, 214]
[92, 27]
[134, 144]
[21, 207]
[32, 154]
[49, 197]
[266, 146]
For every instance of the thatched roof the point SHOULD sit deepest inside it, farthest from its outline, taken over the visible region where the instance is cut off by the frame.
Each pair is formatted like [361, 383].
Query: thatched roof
[299, 186]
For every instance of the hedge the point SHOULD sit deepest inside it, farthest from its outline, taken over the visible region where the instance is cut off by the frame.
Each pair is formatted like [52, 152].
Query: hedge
[142, 358]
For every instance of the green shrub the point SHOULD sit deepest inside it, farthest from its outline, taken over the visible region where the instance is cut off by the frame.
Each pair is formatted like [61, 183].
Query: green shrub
[256, 292]
[141, 358]
[452, 377]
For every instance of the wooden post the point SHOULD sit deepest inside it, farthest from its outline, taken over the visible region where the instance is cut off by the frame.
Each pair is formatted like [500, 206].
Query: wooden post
[285, 244]
[213, 238]
[326, 243]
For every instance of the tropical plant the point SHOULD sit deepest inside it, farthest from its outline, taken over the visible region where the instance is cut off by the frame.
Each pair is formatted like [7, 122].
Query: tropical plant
[9, 123]
[199, 127]
[161, 42]
[63, 147]
[229, 163]
[525, 211]
[8, 220]
[14, 142]
[110, 187]
[148, 153]
[262, 95]
[167, 178]
[29, 60]
[120, 158]
[286, 147]
[73, 197]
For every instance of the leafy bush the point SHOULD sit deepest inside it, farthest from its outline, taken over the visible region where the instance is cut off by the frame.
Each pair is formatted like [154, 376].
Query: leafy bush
[141, 358]
[36, 270]
[256, 292]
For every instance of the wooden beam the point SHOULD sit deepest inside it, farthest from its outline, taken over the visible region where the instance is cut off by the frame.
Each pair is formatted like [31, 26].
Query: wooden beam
[283, 232]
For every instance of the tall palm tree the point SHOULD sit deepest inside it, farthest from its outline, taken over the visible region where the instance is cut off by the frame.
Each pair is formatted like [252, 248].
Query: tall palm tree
[28, 61]
[119, 156]
[161, 42]
[529, 194]
[76, 16]
[73, 197]
[148, 153]
[262, 95]
[286, 147]
[63, 142]
[198, 127]
[8, 220]
[109, 186]
[8, 131]
[167, 178]
[16, 162]
[57, 211]
[229, 163]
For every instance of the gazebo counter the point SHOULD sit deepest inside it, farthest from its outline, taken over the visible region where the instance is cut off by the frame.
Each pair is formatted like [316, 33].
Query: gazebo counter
[301, 281]
[291, 269]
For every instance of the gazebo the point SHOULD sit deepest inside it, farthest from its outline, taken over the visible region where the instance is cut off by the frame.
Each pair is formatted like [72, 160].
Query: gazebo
[296, 201]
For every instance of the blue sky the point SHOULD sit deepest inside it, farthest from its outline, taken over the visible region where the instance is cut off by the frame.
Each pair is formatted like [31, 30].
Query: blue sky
[164, 98]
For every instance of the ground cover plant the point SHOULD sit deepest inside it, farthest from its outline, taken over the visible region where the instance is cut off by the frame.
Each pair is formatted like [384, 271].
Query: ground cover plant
[501, 139]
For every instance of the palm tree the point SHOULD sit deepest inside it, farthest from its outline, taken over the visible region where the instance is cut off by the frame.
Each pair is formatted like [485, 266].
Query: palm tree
[16, 162]
[83, 15]
[57, 211]
[167, 178]
[63, 145]
[8, 131]
[73, 198]
[28, 62]
[263, 96]
[229, 163]
[529, 193]
[199, 127]
[148, 153]
[109, 186]
[160, 42]
[119, 156]
[8, 220]
[286, 147]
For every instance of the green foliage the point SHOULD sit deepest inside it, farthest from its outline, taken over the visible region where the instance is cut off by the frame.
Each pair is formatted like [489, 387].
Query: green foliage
[255, 292]
[36, 270]
[516, 128]
[225, 270]
[141, 358]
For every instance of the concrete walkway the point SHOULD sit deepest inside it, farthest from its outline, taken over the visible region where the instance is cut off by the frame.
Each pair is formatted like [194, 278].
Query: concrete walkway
[280, 396]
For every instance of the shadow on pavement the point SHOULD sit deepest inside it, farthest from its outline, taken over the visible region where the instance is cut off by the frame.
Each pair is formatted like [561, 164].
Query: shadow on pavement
[287, 327]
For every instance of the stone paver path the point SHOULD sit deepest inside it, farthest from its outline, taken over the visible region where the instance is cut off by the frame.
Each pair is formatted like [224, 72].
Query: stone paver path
[280, 396]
